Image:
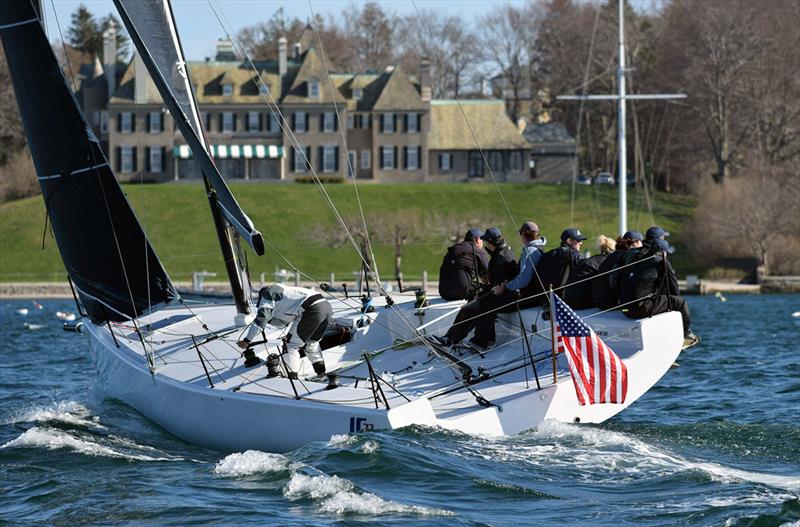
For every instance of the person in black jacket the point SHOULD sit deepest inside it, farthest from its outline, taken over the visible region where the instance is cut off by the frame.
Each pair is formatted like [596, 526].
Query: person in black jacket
[464, 268]
[650, 287]
[555, 265]
[578, 294]
[605, 288]
[502, 267]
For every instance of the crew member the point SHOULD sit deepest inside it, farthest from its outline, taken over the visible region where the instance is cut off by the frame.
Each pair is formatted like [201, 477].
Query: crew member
[502, 267]
[555, 264]
[605, 288]
[578, 294]
[650, 287]
[304, 314]
[463, 268]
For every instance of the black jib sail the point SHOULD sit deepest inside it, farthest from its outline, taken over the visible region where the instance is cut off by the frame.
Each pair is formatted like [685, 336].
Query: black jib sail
[151, 27]
[105, 251]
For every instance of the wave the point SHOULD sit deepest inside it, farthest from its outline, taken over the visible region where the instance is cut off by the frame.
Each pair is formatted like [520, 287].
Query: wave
[66, 412]
[346, 440]
[335, 495]
[250, 463]
[53, 439]
[339, 496]
[596, 449]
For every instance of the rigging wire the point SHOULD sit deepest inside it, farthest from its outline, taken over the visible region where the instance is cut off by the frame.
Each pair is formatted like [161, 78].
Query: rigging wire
[351, 170]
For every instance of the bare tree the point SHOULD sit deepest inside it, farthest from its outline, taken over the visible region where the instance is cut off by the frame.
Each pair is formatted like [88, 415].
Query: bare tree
[261, 40]
[450, 44]
[755, 213]
[371, 32]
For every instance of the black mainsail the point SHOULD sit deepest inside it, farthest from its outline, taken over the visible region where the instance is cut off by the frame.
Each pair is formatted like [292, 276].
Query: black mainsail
[151, 26]
[104, 249]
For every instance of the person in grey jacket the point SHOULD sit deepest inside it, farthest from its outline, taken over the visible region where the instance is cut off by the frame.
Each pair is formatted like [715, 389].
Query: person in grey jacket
[304, 313]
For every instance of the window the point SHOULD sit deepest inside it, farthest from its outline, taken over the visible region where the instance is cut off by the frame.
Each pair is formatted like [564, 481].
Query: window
[350, 121]
[329, 158]
[300, 158]
[496, 161]
[272, 123]
[127, 158]
[156, 160]
[387, 157]
[412, 123]
[263, 88]
[387, 123]
[228, 122]
[351, 163]
[254, 121]
[205, 119]
[126, 125]
[446, 162]
[365, 159]
[358, 93]
[313, 89]
[227, 90]
[156, 120]
[475, 164]
[299, 122]
[328, 122]
[515, 161]
[103, 122]
[412, 157]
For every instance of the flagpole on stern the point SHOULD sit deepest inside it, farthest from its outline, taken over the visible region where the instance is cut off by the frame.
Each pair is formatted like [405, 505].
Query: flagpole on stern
[553, 333]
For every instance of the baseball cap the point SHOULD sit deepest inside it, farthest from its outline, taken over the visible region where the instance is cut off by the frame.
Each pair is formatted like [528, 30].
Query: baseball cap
[492, 235]
[655, 232]
[662, 245]
[472, 235]
[528, 226]
[575, 234]
[633, 235]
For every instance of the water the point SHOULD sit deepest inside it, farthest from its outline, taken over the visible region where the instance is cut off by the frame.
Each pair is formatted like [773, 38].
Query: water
[716, 442]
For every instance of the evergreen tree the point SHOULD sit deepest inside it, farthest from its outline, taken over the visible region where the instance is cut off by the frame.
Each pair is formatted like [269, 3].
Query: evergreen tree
[84, 33]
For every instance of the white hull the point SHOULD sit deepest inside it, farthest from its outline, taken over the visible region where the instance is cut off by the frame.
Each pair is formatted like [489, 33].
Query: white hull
[245, 410]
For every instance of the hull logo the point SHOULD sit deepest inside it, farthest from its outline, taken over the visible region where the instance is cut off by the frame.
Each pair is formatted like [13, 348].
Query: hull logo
[360, 424]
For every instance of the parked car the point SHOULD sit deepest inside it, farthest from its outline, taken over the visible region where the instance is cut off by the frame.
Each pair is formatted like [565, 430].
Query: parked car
[583, 179]
[604, 178]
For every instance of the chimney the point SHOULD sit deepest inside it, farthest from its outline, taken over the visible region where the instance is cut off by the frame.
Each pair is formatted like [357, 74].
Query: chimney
[297, 50]
[282, 48]
[225, 51]
[110, 57]
[142, 78]
[425, 80]
[486, 87]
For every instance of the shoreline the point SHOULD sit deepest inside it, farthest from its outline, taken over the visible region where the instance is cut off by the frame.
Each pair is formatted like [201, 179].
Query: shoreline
[33, 290]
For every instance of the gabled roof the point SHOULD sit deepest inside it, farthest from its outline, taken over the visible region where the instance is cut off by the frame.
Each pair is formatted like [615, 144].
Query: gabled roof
[548, 133]
[487, 118]
[208, 77]
[394, 91]
[312, 68]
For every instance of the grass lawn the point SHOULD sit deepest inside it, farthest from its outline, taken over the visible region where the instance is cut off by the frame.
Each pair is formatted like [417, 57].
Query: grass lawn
[296, 220]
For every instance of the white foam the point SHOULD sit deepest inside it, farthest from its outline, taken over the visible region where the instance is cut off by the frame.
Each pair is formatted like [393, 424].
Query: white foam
[68, 412]
[339, 496]
[369, 447]
[341, 440]
[251, 462]
[54, 439]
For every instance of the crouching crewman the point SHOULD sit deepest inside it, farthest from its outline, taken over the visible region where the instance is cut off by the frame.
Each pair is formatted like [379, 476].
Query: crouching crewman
[304, 313]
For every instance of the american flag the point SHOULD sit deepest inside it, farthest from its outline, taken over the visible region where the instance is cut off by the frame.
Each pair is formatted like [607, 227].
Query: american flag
[598, 374]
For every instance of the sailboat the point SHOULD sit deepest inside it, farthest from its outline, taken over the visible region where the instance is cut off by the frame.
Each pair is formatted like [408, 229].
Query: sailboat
[179, 365]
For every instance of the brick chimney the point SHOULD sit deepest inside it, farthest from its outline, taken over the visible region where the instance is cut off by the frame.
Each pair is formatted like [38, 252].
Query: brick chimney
[283, 44]
[425, 80]
[110, 57]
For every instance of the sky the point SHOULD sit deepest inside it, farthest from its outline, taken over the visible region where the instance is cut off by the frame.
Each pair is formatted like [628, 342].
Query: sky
[200, 29]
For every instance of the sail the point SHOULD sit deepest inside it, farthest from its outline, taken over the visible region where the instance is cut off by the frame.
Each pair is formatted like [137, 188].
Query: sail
[152, 28]
[112, 265]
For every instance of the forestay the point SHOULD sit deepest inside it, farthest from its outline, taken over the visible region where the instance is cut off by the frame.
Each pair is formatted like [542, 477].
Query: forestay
[105, 251]
[152, 28]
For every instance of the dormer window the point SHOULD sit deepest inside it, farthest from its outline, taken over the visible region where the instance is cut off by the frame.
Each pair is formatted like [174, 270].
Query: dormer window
[263, 88]
[358, 93]
[313, 89]
[227, 90]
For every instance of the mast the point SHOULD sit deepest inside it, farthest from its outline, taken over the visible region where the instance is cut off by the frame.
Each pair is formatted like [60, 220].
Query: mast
[621, 98]
[152, 23]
